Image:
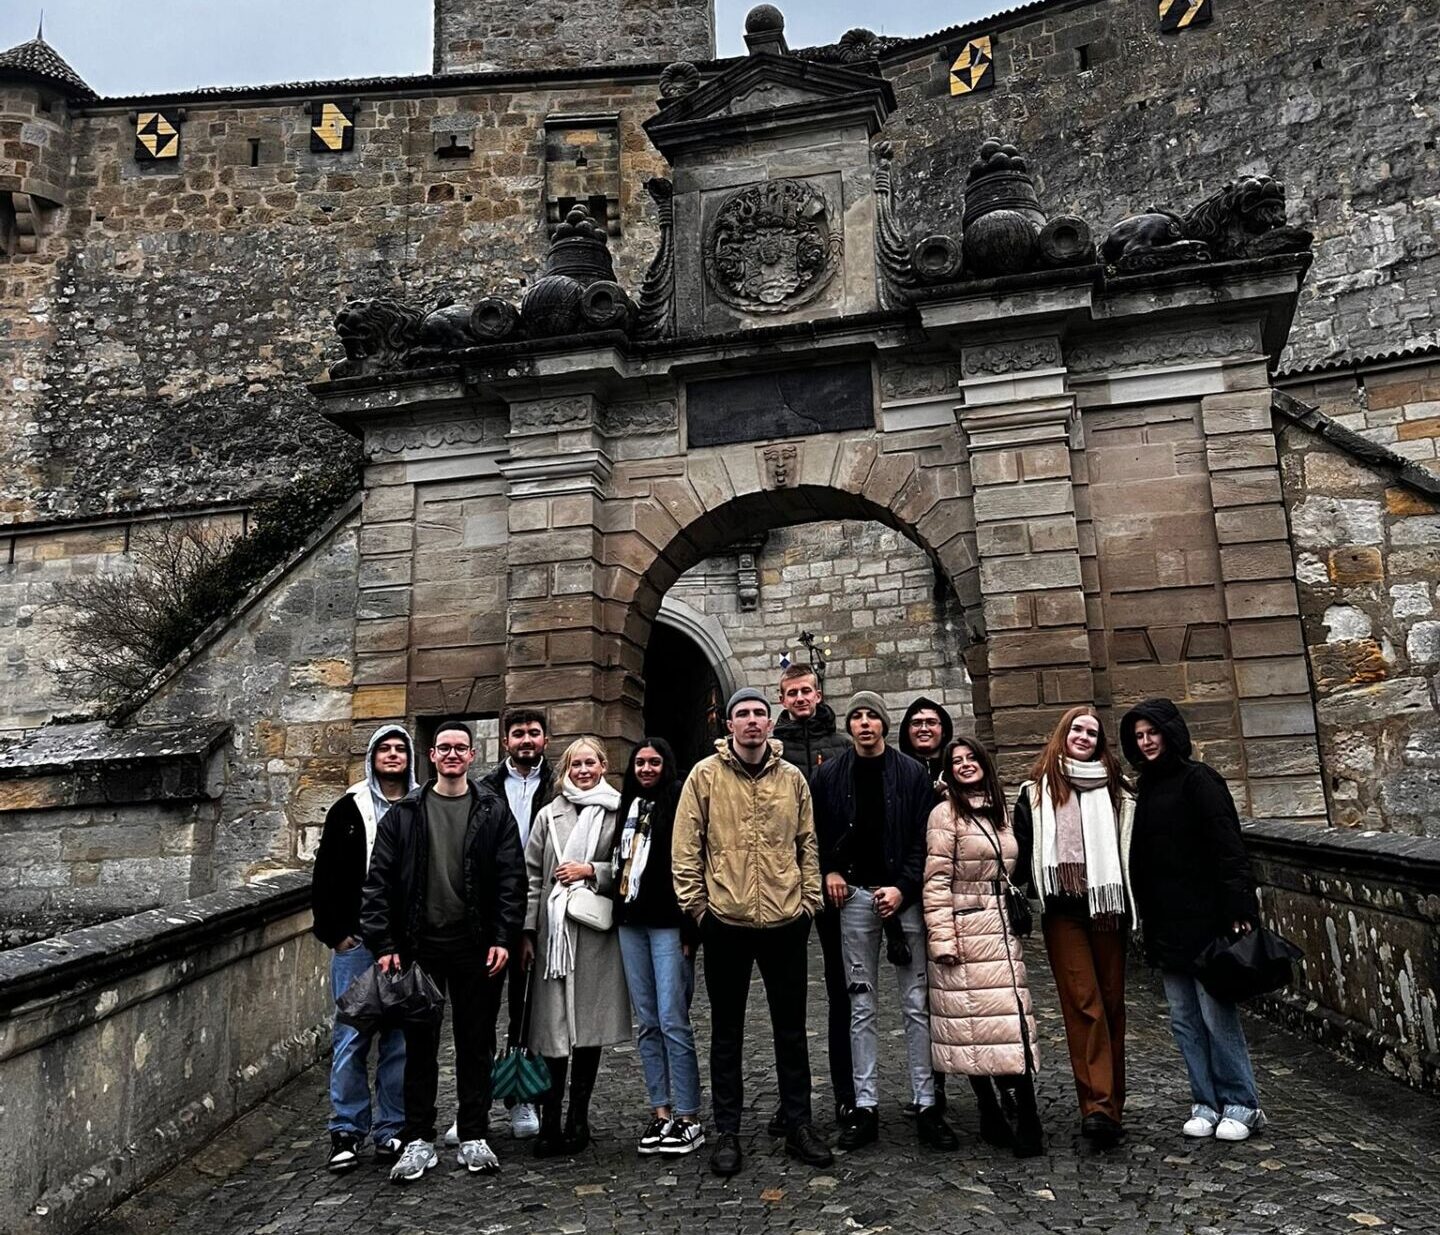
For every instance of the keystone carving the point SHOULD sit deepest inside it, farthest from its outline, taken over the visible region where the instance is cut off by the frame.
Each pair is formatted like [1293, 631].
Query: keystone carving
[771, 247]
[780, 466]
[1246, 218]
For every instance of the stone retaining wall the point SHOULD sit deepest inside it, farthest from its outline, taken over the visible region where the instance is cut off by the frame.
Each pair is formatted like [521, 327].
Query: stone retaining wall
[1365, 907]
[124, 1047]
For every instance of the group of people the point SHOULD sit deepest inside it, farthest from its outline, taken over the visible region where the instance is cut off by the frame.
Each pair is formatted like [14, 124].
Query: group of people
[592, 904]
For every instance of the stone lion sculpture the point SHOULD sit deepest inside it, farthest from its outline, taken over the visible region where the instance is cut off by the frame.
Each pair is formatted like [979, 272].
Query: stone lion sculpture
[382, 334]
[1246, 218]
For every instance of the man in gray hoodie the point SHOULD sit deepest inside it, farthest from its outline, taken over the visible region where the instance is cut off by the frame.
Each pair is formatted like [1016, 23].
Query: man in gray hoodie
[341, 864]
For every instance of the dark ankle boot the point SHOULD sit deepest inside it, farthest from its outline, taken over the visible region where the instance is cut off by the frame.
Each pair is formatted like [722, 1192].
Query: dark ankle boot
[995, 1129]
[1029, 1133]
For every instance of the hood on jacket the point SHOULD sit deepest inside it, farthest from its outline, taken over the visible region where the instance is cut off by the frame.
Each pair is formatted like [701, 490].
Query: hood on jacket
[947, 729]
[1165, 716]
[368, 794]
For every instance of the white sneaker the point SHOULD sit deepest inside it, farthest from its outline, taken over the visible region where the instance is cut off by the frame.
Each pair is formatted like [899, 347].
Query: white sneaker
[1238, 1129]
[1199, 1127]
[419, 1157]
[524, 1121]
[477, 1157]
[452, 1136]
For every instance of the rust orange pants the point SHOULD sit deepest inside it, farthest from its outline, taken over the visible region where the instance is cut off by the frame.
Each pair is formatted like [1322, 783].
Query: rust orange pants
[1089, 969]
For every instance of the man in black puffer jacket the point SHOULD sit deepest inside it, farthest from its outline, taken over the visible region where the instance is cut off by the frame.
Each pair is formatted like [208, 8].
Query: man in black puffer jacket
[447, 889]
[806, 729]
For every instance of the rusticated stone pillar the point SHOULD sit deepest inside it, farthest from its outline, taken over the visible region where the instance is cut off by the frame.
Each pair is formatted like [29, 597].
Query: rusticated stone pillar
[1257, 574]
[567, 652]
[1017, 419]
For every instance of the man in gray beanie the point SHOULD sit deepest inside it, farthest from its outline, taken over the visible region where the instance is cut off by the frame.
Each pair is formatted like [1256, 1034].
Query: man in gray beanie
[747, 869]
[872, 806]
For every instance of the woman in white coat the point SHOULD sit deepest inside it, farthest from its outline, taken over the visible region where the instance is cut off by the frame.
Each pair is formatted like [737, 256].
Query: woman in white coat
[579, 1000]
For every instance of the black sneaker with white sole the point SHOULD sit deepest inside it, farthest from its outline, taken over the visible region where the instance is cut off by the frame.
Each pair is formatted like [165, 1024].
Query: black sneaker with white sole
[389, 1149]
[683, 1136]
[344, 1151]
[653, 1135]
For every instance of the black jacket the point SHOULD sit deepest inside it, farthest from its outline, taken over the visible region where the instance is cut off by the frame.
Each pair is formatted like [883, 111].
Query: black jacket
[494, 780]
[339, 874]
[812, 742]
[934, 764]
[1188, 866]
[392, 916]
[908, 802]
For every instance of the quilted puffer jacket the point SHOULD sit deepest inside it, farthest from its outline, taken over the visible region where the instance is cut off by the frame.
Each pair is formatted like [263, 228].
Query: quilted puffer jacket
[981, 1019]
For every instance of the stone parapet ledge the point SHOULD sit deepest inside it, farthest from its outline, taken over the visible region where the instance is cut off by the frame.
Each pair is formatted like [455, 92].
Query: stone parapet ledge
[1365, 907]
[133, 1042]
[91, 763]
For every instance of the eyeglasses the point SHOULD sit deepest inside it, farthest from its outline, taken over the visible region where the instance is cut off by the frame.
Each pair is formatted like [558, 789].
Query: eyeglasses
[452, 750]
[924, 724]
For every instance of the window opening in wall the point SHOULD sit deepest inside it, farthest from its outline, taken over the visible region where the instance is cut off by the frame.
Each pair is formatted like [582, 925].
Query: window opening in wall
[254, 152]
[581, 160]
[1083, 52]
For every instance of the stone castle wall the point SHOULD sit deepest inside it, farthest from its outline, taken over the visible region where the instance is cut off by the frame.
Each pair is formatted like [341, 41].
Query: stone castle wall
[1342, 110]
[157, 344]
[519, 34]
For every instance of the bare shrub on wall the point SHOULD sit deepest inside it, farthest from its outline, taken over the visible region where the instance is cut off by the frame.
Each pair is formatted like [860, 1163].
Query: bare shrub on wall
[121, 628]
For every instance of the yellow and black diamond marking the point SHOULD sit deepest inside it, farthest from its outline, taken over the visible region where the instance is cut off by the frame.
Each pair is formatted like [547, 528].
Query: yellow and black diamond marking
[974, 67]
[157, 136]
[334, 129]
[1182, 14]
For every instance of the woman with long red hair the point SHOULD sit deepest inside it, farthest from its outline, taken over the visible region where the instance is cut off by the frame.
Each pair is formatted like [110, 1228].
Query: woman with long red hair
[1073, 822]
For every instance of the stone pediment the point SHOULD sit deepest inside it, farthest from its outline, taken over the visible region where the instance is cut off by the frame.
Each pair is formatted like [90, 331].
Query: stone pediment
[767, 94]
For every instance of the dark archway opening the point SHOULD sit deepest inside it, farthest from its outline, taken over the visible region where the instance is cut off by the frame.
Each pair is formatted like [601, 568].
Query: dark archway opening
[682, 697]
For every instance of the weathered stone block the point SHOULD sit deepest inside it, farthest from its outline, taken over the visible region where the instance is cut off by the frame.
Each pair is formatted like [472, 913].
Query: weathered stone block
[1354, 564]
[1270, 718]
[1422, 644]
[1245, 487]
[1368, 704]
[1259, 600]
[1348, 663]
[1319, 522]
[1282, 676]
[1272, 560]
[377, 702]
[1252, 523]
[1024, 501]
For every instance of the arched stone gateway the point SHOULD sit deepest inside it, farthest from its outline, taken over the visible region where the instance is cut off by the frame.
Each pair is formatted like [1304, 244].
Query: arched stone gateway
[1084, 450]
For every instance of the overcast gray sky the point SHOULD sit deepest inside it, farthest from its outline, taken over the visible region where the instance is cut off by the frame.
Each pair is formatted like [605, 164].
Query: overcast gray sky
[139, 46]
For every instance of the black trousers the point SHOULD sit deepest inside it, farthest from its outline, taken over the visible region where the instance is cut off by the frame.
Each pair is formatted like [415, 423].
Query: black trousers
[837, 996]
[473, 998]
[731, 954]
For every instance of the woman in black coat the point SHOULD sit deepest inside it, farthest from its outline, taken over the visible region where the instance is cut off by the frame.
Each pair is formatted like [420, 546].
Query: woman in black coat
[657, 943]
[1192, 884]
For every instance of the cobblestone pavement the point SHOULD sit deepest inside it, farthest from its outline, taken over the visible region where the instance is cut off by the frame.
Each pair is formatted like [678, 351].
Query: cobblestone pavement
[1345, 1151]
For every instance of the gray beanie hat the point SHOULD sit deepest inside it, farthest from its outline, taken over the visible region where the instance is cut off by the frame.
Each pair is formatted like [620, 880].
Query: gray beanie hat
[744, 695]
[868, 699]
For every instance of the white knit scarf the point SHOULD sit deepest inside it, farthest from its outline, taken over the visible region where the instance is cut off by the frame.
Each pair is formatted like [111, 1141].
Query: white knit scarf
[1104, 876]
[592, 805]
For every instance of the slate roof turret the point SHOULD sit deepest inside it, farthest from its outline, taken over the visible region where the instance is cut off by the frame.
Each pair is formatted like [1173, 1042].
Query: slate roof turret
[37, 61]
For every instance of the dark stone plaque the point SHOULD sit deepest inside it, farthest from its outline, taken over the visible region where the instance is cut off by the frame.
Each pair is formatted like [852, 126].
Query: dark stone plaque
[788, 403]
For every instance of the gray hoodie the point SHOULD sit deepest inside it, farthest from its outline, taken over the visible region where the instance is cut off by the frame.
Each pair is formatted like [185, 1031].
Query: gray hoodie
[368, 795]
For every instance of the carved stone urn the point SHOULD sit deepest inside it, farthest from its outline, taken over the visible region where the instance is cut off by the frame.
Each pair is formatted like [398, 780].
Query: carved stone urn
[1003, 218]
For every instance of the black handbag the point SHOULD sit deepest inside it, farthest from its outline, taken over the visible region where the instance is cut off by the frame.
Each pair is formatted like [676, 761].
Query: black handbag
[379, 1000]
[1018, 915]
[1238, 967]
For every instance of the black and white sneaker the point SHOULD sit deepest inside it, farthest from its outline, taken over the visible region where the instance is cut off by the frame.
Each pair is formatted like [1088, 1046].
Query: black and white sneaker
[344, 1151]
[684, 1136]
[389, 1149]
[653, 1135]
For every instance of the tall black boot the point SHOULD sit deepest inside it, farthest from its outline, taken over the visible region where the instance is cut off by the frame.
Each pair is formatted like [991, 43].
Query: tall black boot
[584, 1066]
[550, 1142]
[995, 1129]
[1029, 1133]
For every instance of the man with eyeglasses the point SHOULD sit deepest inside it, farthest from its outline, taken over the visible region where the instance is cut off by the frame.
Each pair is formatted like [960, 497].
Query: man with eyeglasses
[340, 866]
[447, 891]
[924, 732]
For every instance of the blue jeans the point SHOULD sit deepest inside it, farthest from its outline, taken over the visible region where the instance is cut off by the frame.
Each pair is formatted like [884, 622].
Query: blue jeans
[1212, 1042]
[662, 982]
[349, 1082]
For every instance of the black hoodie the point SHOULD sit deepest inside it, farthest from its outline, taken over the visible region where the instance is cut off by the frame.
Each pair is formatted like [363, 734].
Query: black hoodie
[1188, 866]
[934, 764]
[810, 741]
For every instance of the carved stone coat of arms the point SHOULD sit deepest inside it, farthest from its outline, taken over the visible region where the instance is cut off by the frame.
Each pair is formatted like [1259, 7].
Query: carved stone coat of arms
[771, 247]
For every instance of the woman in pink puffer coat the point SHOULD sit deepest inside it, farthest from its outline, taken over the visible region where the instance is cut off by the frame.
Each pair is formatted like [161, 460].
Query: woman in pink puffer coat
[982, 1024]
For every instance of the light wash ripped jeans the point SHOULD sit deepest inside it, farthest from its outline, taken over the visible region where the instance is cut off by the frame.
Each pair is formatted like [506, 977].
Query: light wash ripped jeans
[1211, 1039]
[862, 941]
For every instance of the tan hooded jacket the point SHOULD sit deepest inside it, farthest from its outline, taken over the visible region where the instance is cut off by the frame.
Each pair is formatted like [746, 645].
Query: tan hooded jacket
[744, 847]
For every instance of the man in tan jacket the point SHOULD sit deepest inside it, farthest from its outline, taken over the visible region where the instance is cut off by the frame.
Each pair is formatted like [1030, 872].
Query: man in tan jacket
[747, 868]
